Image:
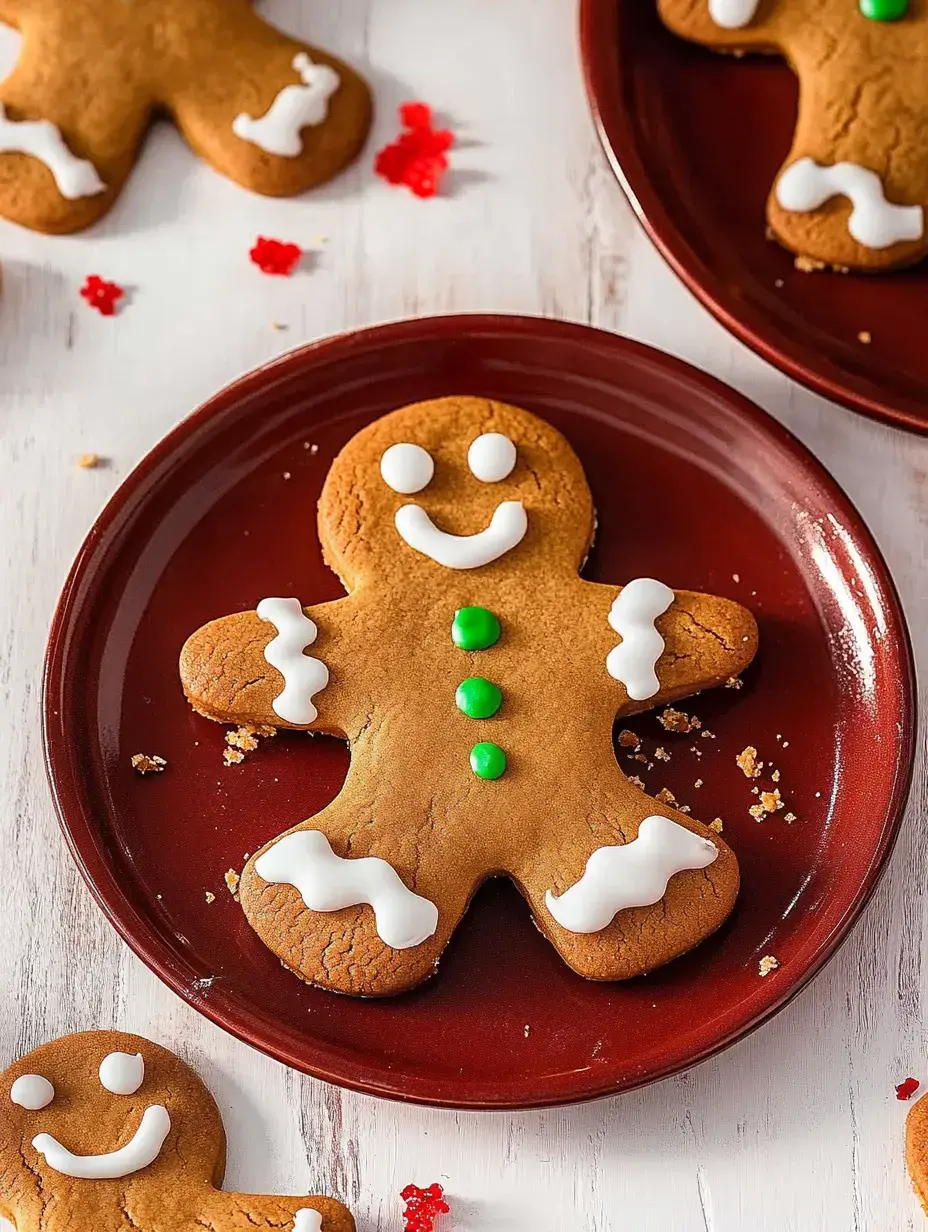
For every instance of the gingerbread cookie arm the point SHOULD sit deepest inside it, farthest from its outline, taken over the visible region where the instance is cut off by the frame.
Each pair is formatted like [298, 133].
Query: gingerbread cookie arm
[628, 886]
[282, 665]
[227, 1212]
[70, 125]
[669, 644]
[273, 114]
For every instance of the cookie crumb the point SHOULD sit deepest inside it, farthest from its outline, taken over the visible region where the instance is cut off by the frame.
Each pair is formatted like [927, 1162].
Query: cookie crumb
[666, 796]
[775, 775]
[734, 682]
[698, 783]
[809, 265]
[232, 879]
[717, 825]
[677, 721]
[233, 757]
[243, 738]
[147, 765]
[789, 817]
[287, 475]
[525, 1030]
[778, 283]
[685, 808]
[707, 735]
[639, 783]
[758, 812]
[661, 754]
[736, 577]
[640, 757]
[628, 739]
[748, 763]
[279, 325]
[771, 800]
[865, 337]
[786, 744]
[210, 896]
[767, 964]
[88, 461]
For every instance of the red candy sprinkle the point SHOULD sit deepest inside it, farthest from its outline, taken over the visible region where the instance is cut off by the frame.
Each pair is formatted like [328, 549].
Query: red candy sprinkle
[423, 1206]
[905, 1090]
[274, 256]
[101, 294]
[418, 156]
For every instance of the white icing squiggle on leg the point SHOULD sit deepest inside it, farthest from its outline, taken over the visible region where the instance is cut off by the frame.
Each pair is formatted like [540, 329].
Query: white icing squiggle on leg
[873, 222]
[633, 875]
[326, 882]
[279, 130]
[75, 177]
[303, 675]
[732, 14]
[632, 616]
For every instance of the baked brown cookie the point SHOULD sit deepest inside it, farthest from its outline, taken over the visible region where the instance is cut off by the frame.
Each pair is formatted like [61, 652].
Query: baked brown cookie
[102, 1132]
[476, 678]
[266, 110]
[916, 1148]
[853, 190]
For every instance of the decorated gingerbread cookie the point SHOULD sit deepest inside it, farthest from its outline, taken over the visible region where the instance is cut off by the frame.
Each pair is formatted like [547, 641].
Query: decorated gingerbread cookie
[105, 1132]
[916, 1148]
[476, 678]
[274, 115]
[854, 188]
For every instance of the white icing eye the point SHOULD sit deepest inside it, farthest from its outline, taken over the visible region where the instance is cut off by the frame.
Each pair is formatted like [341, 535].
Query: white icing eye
[121, 1073]
[32, 1091]
[407, 468]
[491, 457]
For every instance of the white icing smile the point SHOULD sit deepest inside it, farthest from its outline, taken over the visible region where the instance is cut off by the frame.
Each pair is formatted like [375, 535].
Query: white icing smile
[142, 1150]
[506, 530]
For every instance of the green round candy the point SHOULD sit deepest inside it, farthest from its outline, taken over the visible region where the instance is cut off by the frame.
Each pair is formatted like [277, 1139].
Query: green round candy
[478, 698]
[884, 10]
[488, 761]
[474, 628]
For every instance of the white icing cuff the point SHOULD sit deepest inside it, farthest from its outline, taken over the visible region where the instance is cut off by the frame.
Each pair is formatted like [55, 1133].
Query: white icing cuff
[874, 222]
[279, 130]
[327, 882]
[633, 875]
[303, 675]
[40, 139]
[506, 530]
[632, 615]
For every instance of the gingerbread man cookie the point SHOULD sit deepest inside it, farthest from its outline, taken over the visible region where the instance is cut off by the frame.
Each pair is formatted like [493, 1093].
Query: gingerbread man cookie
[853, 191]
[476, 678]
[274, 115]
[106, 1132]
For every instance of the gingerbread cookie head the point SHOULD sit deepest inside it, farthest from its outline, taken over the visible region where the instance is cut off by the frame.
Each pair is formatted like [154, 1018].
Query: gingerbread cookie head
[457, 484]
[853, 190]
[107, 1131]
[268, 111]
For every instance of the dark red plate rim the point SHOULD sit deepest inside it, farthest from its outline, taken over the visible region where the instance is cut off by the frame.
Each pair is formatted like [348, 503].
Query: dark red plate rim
[602, 56]
[328, 1062]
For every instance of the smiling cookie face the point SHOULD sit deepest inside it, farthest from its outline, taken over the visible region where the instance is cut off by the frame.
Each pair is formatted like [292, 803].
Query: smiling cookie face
[93, 1114]
[455, 484]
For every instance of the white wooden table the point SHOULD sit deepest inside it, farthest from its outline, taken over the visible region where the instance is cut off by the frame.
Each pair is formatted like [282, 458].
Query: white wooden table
[796, 1129]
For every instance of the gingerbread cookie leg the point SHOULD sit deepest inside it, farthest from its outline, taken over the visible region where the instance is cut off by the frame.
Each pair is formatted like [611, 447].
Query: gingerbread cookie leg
[273, 114]
[70, 124]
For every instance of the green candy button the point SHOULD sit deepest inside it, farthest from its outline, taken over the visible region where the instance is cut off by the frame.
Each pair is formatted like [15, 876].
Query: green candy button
[488, 761]
[884, 10]
[474, 628]
[478, 698]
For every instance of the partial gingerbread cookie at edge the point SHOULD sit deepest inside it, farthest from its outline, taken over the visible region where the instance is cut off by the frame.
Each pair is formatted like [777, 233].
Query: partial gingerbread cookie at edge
[853, 191]
[916, 1149]
[266, 110]
[104, 1131]
[476, 678]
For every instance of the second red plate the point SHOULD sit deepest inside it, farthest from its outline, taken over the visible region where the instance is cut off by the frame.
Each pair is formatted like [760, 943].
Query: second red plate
[692, 484]
[696, 140]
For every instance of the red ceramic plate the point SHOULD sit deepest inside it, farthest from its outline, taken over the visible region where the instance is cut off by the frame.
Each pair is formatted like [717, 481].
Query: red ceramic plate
[696, 140]
[693, 484]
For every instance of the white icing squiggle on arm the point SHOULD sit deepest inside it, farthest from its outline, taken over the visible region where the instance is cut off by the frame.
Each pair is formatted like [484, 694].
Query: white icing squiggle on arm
[279, 130]
[326, 882]
[732, 14]
[633, 875]
[632, 616]
[303, 675]
[143, 1149]
[75, 177]
[874, 221]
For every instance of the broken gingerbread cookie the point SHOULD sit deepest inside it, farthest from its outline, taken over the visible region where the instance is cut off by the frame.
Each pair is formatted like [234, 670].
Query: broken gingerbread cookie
[108, 1131]
[853, 190]
[476, 677]
[271, 113]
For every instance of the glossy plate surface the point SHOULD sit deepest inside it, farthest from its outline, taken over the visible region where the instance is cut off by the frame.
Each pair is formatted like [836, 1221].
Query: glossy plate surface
[694, 485]
[696, 139]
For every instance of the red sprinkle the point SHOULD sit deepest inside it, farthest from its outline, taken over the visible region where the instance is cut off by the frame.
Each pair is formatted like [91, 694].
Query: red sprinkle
[418, 157]
[905, 1090]
[423, 1206]
[101, 294]
[274, 256]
